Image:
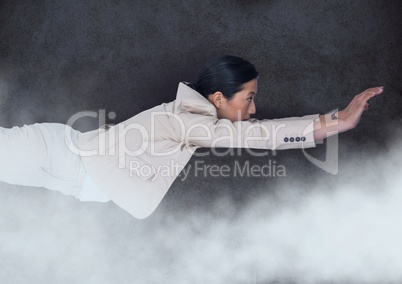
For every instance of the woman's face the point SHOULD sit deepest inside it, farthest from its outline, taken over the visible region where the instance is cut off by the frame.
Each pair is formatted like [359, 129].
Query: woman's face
[240, 107]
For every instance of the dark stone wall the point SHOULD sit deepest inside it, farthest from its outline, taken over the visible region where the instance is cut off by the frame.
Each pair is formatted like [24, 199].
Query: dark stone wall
[59, 57]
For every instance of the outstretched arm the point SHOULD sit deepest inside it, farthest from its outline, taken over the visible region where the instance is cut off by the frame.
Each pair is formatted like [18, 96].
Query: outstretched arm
[346, 119]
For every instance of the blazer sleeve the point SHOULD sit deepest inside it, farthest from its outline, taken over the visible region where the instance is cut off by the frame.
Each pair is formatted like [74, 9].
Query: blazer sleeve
[209, 131]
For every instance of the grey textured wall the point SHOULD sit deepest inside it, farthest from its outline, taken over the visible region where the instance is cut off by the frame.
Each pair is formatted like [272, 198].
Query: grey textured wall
[61, 57]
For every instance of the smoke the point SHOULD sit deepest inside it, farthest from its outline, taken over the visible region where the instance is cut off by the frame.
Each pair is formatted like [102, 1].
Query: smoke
[347, 231]
[351, 234]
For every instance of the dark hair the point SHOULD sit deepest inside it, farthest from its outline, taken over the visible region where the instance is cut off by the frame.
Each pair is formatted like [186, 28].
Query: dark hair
[226, 74]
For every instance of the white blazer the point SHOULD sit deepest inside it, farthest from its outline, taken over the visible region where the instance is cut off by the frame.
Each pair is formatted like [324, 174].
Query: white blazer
[136, 161]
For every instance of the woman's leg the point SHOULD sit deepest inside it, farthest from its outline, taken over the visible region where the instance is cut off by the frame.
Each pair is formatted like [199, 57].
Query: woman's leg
[37, 155]
[91, 192]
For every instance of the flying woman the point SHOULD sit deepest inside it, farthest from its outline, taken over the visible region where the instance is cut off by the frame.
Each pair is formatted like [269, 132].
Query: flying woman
[135, 162]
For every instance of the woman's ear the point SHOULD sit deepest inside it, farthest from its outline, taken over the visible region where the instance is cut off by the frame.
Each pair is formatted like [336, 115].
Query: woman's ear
[217, 99]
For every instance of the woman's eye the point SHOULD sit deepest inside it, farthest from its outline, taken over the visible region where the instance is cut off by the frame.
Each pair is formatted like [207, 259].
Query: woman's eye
[250, 99]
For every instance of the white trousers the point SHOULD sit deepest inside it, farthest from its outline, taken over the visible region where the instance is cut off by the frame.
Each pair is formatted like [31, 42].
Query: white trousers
[38, 155]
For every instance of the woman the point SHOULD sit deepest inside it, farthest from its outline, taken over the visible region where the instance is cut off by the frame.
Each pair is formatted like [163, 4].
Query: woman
[135, 162]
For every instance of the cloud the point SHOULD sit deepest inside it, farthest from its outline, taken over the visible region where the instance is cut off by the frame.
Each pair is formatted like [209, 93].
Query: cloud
[347, 229]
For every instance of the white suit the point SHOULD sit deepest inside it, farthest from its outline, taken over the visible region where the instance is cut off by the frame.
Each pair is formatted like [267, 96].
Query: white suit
[136, 161]
[39, 155]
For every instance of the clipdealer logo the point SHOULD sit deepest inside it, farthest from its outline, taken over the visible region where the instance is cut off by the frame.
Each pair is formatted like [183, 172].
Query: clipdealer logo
[238, 169]
[204, 170]
[249, 136]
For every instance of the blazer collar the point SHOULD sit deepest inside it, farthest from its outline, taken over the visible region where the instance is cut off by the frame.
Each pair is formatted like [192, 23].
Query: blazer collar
[187, 99]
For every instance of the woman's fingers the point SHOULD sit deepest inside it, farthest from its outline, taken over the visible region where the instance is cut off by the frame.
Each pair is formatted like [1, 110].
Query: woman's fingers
[369, 93]
[361, 99]
[352, 113]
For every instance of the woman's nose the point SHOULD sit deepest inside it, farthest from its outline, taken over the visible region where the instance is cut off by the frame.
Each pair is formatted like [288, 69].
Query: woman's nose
[252, 109]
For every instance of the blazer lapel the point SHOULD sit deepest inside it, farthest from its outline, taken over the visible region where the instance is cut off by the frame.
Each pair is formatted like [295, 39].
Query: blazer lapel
[190, 100]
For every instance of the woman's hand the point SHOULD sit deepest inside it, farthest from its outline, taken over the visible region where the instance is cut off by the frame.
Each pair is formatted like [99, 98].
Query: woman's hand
[346, 119]
[351, 115]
